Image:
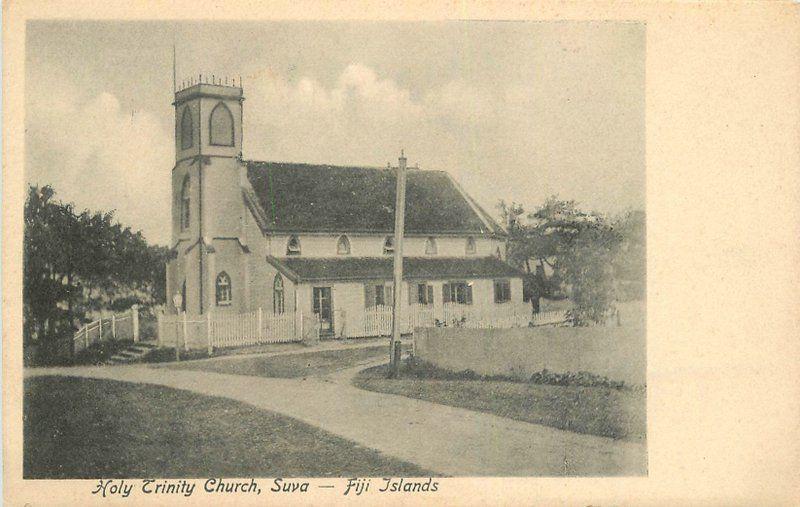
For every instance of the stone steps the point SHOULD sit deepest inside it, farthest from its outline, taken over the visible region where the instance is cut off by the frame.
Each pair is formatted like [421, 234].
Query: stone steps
[131, 354]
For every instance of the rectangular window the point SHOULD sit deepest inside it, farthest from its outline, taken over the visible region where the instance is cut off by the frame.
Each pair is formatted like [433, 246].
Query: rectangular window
[502, 291]
[424, 294]
[377, 295]
[457, 292]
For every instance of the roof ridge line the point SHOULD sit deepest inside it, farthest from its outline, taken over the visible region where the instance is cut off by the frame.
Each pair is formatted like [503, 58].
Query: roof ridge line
[342, 166]
[476, 208]
[312, 164]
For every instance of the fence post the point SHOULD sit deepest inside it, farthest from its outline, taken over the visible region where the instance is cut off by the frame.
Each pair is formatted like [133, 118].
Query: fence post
[258, 333]
[100, 335]
[86, 336]
[160, 324]
[185, 332]
[177, 340]
[301, 326]
[208, 333]
[135, 322]
[114, 326]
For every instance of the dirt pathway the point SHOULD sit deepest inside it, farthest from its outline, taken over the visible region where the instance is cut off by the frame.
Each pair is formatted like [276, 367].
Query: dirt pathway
[449, 440]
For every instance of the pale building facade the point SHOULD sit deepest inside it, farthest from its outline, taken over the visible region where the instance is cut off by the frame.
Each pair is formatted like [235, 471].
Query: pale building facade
[315, 239]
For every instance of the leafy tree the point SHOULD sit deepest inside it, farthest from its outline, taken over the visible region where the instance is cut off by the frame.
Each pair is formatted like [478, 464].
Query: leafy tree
[587, 254]
[630, 265]
[79, 263]
[587, 267]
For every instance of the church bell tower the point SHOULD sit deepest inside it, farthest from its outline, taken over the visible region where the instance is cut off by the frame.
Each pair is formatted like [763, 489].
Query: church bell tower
[206, 196]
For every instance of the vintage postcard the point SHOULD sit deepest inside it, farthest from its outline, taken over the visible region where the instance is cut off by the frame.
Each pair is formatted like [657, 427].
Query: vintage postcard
[324, 259]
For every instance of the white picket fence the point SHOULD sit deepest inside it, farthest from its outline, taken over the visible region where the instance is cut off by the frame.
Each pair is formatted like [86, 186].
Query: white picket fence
[124, 326]
[251, 329]
[216, 330]
[377, 321]
[554, 317]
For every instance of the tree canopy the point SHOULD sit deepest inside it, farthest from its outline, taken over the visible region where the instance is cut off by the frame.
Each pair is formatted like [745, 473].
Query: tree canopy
[594, 259]
[76, 263]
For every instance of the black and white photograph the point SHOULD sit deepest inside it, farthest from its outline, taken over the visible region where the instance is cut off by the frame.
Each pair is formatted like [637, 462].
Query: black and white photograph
[334, 249]
[400, 253]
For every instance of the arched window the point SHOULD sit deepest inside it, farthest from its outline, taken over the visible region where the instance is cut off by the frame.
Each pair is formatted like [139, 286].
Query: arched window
[186, 201]
[388, 245]
[343, 245]
[293, 246]
[471, 248]
[221, 125]
[223, 286]
[277, 295]
[430, 246]
[187, 131]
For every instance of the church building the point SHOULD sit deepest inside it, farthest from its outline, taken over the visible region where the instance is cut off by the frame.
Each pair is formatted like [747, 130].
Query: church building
[292, 238]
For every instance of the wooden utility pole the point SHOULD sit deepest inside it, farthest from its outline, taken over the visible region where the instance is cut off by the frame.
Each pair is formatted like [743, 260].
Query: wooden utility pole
[399, 225]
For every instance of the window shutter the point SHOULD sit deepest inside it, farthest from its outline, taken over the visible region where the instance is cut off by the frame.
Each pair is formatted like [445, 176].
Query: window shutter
[413, 289]
[497, 289]
[446, 293]
[469, 294]
[369, 295]
[430, 294]
[389, 292]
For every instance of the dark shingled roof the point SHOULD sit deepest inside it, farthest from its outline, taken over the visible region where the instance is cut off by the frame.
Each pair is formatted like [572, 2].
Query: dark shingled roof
[324, 198]
[305, 269]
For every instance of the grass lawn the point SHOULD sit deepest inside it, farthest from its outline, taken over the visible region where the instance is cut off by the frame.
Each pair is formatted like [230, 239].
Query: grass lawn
[289, 365]
[84, 428]
[599, 411]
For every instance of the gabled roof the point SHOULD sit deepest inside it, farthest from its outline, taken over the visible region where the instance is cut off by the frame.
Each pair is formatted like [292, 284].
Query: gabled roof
[307, 269]
[323, 198]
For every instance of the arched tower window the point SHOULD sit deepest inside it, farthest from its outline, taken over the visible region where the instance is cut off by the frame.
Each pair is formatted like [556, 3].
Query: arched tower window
[223, 289]
[430, 246]
[388, 245]
[221, 125]
[343, 245]
[186, 201]
[471, 248]
[293, 246]
[277, 295]
[187, 130]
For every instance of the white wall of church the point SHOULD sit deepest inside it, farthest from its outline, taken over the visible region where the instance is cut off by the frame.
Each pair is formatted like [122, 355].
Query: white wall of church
[349, 304]
[223, 208]
[262, 273]
[364, 245]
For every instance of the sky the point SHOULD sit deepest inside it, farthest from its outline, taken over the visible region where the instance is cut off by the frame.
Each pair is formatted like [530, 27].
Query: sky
[513, 110]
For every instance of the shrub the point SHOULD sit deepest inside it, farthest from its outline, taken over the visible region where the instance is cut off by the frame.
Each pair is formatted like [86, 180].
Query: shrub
[416, 368]
[582, 378]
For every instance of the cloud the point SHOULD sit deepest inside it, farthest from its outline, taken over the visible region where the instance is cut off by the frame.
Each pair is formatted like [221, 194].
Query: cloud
[506, 140]
[102, 156]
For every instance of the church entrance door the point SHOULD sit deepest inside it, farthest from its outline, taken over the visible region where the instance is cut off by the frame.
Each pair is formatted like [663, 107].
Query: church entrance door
[323, 308]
